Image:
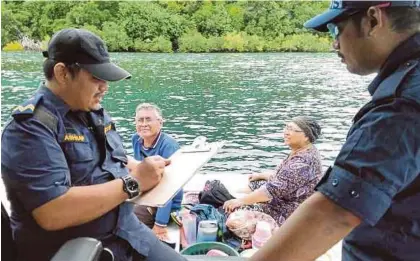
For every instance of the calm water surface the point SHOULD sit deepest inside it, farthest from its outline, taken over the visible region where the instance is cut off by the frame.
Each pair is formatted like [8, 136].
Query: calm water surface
[244, 99]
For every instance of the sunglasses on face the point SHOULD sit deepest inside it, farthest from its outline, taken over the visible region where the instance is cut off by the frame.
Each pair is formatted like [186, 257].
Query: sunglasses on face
[334, 29]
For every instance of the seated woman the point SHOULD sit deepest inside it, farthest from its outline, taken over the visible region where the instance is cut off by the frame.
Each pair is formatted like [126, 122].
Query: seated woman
[279, 193]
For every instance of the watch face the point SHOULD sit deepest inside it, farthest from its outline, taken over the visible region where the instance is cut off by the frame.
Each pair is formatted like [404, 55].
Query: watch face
[132, 185]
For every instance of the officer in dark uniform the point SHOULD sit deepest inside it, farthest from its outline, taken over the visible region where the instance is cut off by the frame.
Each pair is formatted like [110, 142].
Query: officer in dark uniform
[371, 196]
[63, 163]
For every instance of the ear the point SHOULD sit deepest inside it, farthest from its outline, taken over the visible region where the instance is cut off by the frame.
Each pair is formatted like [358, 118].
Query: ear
[307, 139]
[375, 20]
[61, 74]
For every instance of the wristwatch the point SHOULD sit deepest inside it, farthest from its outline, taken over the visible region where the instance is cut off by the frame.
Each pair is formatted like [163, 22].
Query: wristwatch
[130, 186]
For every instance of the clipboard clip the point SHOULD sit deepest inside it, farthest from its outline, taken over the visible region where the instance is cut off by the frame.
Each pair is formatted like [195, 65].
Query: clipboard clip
[199, 145]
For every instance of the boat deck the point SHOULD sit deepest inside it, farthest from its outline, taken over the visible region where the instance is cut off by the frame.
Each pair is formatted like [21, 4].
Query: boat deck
[233, 183]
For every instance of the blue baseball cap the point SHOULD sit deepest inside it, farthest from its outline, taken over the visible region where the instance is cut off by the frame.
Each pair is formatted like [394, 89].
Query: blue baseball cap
[341, 8]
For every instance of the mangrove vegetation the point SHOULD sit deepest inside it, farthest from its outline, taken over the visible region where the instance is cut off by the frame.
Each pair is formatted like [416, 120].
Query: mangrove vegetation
[170, 26]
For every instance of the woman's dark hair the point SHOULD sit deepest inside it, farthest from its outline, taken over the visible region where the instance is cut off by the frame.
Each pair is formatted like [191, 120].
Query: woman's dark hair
[49, 68]
[309, 126]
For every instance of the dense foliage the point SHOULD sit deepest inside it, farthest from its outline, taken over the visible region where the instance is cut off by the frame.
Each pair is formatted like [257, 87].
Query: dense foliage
[166, 26]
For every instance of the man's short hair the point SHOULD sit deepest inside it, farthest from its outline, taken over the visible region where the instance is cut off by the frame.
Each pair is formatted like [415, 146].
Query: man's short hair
[150, 106]
[49, 69]
[404, 18]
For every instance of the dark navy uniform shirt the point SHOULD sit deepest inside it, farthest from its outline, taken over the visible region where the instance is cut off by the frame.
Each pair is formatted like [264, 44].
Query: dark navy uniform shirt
[46, 149]
[376, 175]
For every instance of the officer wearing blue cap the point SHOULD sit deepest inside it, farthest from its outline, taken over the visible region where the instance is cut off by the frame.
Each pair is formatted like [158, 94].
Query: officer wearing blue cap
[370, 196]
[63, 163]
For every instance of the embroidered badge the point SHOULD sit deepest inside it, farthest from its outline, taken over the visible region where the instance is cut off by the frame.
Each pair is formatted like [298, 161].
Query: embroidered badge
[108, 128]
[20, 108]
[70, 137]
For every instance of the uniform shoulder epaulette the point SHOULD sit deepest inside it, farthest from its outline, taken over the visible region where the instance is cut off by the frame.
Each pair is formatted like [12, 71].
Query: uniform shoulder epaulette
[27, 109]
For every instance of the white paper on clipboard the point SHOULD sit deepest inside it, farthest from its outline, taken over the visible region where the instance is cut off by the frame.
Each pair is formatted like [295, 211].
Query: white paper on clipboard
[184, 164]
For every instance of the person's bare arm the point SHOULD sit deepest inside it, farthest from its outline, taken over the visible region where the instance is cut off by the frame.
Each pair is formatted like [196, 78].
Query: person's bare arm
[251, 198]
[255, 197]
[82, 204]
[260, 176]
[267, 175]
[309, 232]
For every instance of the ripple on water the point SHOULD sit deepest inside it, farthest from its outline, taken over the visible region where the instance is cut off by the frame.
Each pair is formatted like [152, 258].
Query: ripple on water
[244, 99]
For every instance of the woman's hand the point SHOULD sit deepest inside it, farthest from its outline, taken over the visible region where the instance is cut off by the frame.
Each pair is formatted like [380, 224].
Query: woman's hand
[259, 176]
[254, 177]
[232, 204]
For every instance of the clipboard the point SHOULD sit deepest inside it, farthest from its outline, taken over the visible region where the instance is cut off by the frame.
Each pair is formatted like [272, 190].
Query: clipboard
[184, 165]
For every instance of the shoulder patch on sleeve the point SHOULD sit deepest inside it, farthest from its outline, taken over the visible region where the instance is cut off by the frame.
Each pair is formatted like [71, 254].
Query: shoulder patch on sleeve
[389, 88]
[26, 109]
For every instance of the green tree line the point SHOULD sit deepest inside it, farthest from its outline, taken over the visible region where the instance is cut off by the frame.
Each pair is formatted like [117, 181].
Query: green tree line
[168, 26]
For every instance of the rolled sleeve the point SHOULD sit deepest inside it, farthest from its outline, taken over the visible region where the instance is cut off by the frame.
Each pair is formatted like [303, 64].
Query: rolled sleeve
[379, 159]
[34, 167]
[356, 195]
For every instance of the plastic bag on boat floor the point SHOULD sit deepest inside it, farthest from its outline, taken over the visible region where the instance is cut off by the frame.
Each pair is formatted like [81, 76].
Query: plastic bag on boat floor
[243, 222]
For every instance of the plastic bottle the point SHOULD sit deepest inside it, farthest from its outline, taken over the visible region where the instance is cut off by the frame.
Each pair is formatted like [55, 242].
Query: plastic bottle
[189, 224]
[207, 231]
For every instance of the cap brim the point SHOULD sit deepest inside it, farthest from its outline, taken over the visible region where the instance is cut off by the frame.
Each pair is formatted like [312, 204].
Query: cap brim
[320, 21]
[106, 71]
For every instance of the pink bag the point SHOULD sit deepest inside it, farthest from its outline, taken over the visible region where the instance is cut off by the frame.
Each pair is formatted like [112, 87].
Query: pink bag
[243, 222]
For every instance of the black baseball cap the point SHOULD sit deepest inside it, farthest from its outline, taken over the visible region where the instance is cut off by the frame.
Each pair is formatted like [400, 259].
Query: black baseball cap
[341, 8]
[81, 47]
